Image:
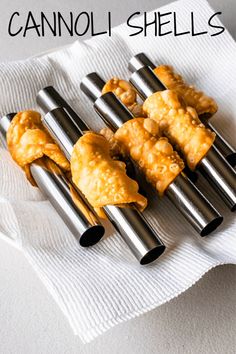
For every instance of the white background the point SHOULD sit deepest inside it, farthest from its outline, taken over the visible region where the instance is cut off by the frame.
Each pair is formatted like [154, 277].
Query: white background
[202, 320]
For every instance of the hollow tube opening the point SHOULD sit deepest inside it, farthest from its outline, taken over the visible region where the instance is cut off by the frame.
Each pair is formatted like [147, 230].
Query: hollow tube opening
[91, 236]
[231, 159]
[152, 255]
[212, 226]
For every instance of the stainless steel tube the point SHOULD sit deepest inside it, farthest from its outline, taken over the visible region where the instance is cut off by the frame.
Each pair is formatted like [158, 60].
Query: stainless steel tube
[132, 226]
[113, 114]
[221, 175]
[137, 234]
[183, 194]
[86, 228]
[82, 222]
[226, 150]
[193, 205]
[140, 60]
[5, 122]
[146, 82]
[48, 99]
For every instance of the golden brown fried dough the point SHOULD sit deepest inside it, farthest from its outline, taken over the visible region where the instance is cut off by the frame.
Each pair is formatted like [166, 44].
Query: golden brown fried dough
[126, 93]
[191, 96]
[181, 125]
[115, 148]
[28, 141]
[101, 179]
[154, 155]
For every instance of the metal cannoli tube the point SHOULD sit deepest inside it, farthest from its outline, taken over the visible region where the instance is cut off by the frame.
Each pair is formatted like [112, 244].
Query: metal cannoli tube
[140, 60]
[5, 121]
[220, 174]
[226, 150]
[79, 217]
[130, 223]
[182, 192]
[48, 98]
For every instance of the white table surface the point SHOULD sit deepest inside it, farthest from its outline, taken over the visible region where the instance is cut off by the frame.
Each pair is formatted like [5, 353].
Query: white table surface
[202, 320]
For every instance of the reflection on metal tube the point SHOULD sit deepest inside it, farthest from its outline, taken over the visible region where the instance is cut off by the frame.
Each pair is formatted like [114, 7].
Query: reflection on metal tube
[132, 226]
[183, 194]
[77, 215]
[221, 174]
[228, 152]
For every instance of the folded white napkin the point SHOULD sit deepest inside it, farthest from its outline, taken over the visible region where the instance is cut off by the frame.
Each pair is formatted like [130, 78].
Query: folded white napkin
[102, 286]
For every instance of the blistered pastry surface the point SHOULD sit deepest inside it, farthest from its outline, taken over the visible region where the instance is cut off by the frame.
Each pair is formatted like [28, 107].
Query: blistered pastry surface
[154, 155]
[28, 141]
[180, 124]
[126, 93]
[114, 146]
[191, 96]
[101, 179]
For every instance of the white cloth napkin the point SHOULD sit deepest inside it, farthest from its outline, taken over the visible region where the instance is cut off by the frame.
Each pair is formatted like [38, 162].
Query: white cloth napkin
[102, 286]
